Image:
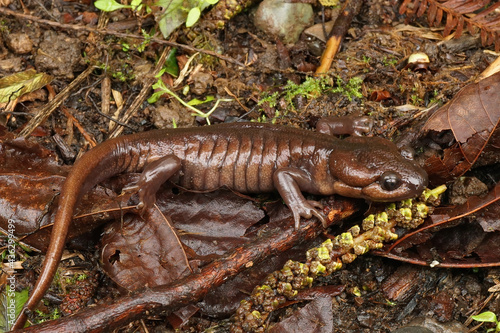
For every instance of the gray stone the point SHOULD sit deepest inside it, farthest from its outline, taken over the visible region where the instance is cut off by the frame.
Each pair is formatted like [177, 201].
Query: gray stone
[283, 20]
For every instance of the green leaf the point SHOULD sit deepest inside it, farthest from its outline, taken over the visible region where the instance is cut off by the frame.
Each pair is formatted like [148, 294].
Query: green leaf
[16, 85]
[205, 3]
[487, 316]
[175, 14]
[171, 65]
[136, 4]
[193, 16]
[11, 303]
[109, 5]
[196, 101]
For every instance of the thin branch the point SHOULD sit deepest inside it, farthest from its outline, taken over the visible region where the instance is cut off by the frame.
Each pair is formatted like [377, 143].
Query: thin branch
[48, 108]
[339, 30]
[141, 97]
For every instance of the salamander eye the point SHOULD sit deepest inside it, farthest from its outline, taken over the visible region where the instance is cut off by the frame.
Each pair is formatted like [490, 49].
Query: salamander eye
[390, 181]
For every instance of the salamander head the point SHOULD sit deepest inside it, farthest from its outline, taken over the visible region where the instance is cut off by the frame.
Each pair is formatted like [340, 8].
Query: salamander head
[373, 169]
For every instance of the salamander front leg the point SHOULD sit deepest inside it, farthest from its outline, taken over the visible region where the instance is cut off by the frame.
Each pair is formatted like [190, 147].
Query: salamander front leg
[290, 183]
[153, 176]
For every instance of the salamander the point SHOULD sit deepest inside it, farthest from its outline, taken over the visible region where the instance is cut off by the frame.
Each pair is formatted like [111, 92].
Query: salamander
[246, 157]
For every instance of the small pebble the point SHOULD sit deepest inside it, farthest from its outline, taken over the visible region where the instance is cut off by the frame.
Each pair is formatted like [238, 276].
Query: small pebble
[201, 82]
[19, 43]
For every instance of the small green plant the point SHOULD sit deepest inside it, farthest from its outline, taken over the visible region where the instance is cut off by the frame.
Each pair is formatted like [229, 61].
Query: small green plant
[433, 99]
[263, 119]
[351, 89]
[389, 61]
[415, 97]
[147, 38]
[161, 89]
[126, 46]
[43, 317]
[488, 317]
[366, 59]
[271, 100]
[175, 12]
[415, 100]
[4, 26]
[123, 74]
[76, 277]
[311, 88]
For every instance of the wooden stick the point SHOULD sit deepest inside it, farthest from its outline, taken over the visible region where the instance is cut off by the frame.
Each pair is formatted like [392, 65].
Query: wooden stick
[48, 108]
[342, 24]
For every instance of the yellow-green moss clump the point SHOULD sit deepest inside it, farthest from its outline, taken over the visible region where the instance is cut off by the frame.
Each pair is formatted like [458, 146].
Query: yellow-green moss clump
[329, 257]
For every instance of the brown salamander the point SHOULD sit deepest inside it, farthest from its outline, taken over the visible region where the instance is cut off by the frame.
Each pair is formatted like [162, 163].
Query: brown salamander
[246, 157]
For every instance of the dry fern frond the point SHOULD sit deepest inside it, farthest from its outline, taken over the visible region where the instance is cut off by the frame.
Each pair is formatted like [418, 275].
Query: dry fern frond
[473, 15]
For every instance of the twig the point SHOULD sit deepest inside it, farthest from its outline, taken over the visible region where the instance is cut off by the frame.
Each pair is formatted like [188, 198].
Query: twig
[90, 139]
[48, 108]
[342, 24]
[136, 104]
[229, 92]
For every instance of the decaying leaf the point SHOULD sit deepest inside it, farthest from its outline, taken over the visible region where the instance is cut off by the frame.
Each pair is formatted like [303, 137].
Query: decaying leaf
[466, 235]
[19, 84]
[472, 116]
[139, 253]
[212, 222]
[316, 317]
[28, 196]
[147, 251]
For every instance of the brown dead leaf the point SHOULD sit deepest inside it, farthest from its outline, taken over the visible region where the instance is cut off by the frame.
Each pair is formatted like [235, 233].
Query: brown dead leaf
[29, 194]
[143, 252]
[472, 115]
[466, 235]
[315, 317]
[211, 222]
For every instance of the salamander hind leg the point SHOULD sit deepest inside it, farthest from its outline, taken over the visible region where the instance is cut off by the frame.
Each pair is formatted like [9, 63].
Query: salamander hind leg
[351, 125]
[290, 183]
[153, 176]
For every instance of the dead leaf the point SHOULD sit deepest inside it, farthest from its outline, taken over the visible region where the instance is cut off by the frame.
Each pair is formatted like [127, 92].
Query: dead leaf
[315, 317]
[466, 235]
[211, 222]
[143, 252]
[472, 115]
[16, 85]
[28, 195]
